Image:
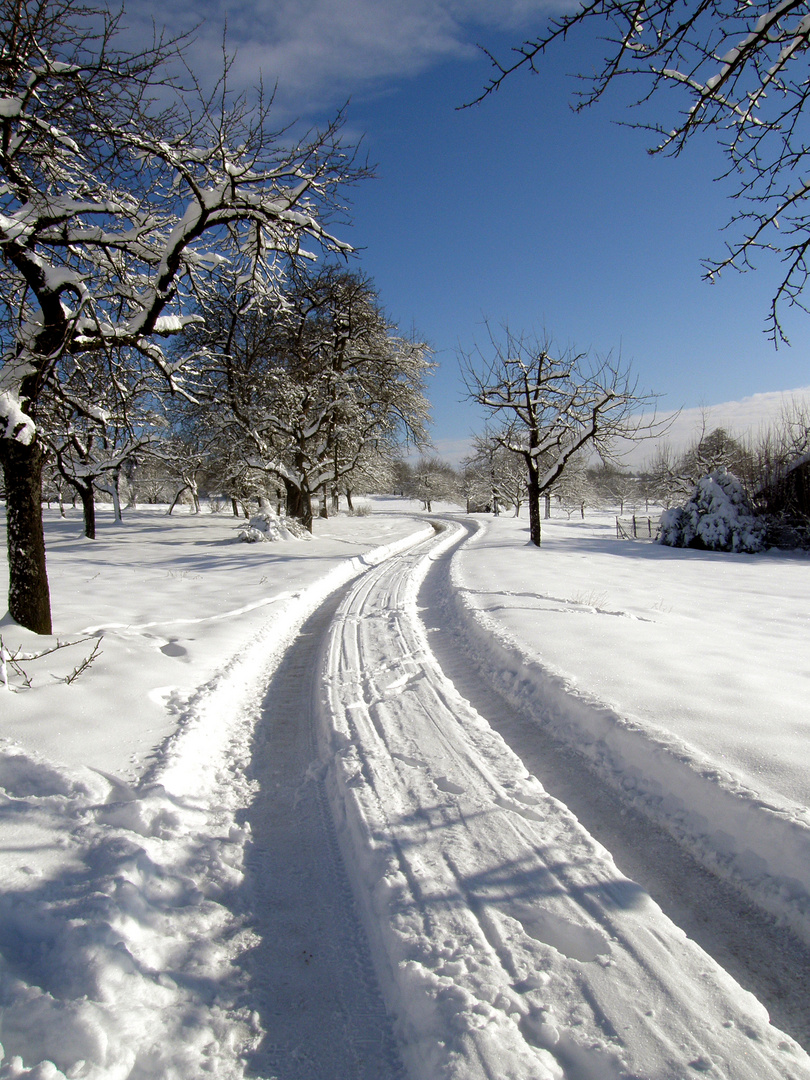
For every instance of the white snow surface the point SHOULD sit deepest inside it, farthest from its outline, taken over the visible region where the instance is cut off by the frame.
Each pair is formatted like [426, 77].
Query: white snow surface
[681, 674]
[143, 926]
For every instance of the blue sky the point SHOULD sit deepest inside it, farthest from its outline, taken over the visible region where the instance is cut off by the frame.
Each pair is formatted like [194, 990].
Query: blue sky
[517, 210]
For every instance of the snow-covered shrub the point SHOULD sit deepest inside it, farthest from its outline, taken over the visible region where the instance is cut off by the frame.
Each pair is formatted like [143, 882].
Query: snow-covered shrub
[361, 508]
[248, 535]
[717, 517]
[267, 526]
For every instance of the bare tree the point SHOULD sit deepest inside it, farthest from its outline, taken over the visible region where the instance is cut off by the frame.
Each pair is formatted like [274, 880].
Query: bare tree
[739, 70]
[552, 405]
[123, 191]
[499, 478]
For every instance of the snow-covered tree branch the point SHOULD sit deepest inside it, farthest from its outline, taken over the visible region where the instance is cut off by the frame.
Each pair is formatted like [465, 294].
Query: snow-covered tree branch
[124, 190]
[552, 404]
[740, 71]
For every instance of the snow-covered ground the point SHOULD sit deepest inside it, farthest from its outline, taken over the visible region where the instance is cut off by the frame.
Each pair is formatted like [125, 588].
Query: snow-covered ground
[682, 675]
[183, 827]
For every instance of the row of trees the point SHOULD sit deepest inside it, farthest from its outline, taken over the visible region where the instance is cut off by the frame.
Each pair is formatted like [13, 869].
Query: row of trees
[310, 393]
[494, 479]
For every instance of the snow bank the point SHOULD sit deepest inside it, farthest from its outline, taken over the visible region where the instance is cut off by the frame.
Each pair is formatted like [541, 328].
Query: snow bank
[759, 842]
[269, 527]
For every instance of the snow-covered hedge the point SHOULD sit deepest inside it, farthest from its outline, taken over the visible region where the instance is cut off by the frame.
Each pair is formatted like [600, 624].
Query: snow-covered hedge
[717, 517]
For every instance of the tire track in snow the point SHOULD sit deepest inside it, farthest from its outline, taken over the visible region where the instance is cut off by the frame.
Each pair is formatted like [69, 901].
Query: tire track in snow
[764, 956]
[311, 979]
[506, 940]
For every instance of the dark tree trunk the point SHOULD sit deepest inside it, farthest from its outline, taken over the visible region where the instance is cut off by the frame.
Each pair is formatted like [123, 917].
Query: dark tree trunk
[349, 500]
[29, 601]
[293, 500]
[299, 504]
[535, 528]
[306, 511]
[88, 509]
[547, 511]
[84, 488]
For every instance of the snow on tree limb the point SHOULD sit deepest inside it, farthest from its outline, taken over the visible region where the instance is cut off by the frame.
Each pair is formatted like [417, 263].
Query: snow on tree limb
[740, 71]
[550, 404]
[124, 193]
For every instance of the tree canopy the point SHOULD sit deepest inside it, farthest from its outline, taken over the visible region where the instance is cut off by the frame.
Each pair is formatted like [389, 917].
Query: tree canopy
[124, 191]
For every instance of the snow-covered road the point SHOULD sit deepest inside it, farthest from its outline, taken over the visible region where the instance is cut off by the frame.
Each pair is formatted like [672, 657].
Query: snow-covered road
[506, 940]
[311, 979]
[349, 857]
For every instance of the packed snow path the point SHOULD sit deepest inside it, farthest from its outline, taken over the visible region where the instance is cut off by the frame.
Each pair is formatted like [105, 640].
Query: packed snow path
[506, 940]
[312, 982]
[335, 868]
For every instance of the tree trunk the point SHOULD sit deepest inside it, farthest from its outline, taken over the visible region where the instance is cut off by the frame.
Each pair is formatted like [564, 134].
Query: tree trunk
[535, 528]
[547, 512]
[177, 499]
[294, 500]
[29, 601]
[116, 495]
[85, 491]
[349, 500]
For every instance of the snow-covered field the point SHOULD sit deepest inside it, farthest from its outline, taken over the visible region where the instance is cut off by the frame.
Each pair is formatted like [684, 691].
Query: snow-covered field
[263, 834]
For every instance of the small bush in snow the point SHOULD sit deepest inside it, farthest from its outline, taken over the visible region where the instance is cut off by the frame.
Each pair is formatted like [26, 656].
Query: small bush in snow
[361, 508]
[717, 517]
[268, 527]
[248, 535]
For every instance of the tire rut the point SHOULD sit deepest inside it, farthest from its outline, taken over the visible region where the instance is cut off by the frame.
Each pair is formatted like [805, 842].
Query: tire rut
[311, 978]
[762, 956]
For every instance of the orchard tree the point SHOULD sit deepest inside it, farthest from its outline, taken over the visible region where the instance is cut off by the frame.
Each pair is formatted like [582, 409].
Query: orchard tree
[316, 388]
[107, 412]
[432, 479]
[500, 478]
[716, 450]
[123, 191]
[736, 69]
[551, 405]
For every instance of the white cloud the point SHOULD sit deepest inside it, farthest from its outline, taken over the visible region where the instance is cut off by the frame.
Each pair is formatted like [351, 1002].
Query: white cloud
[320, 52]
[750, 416]
[451, 450]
